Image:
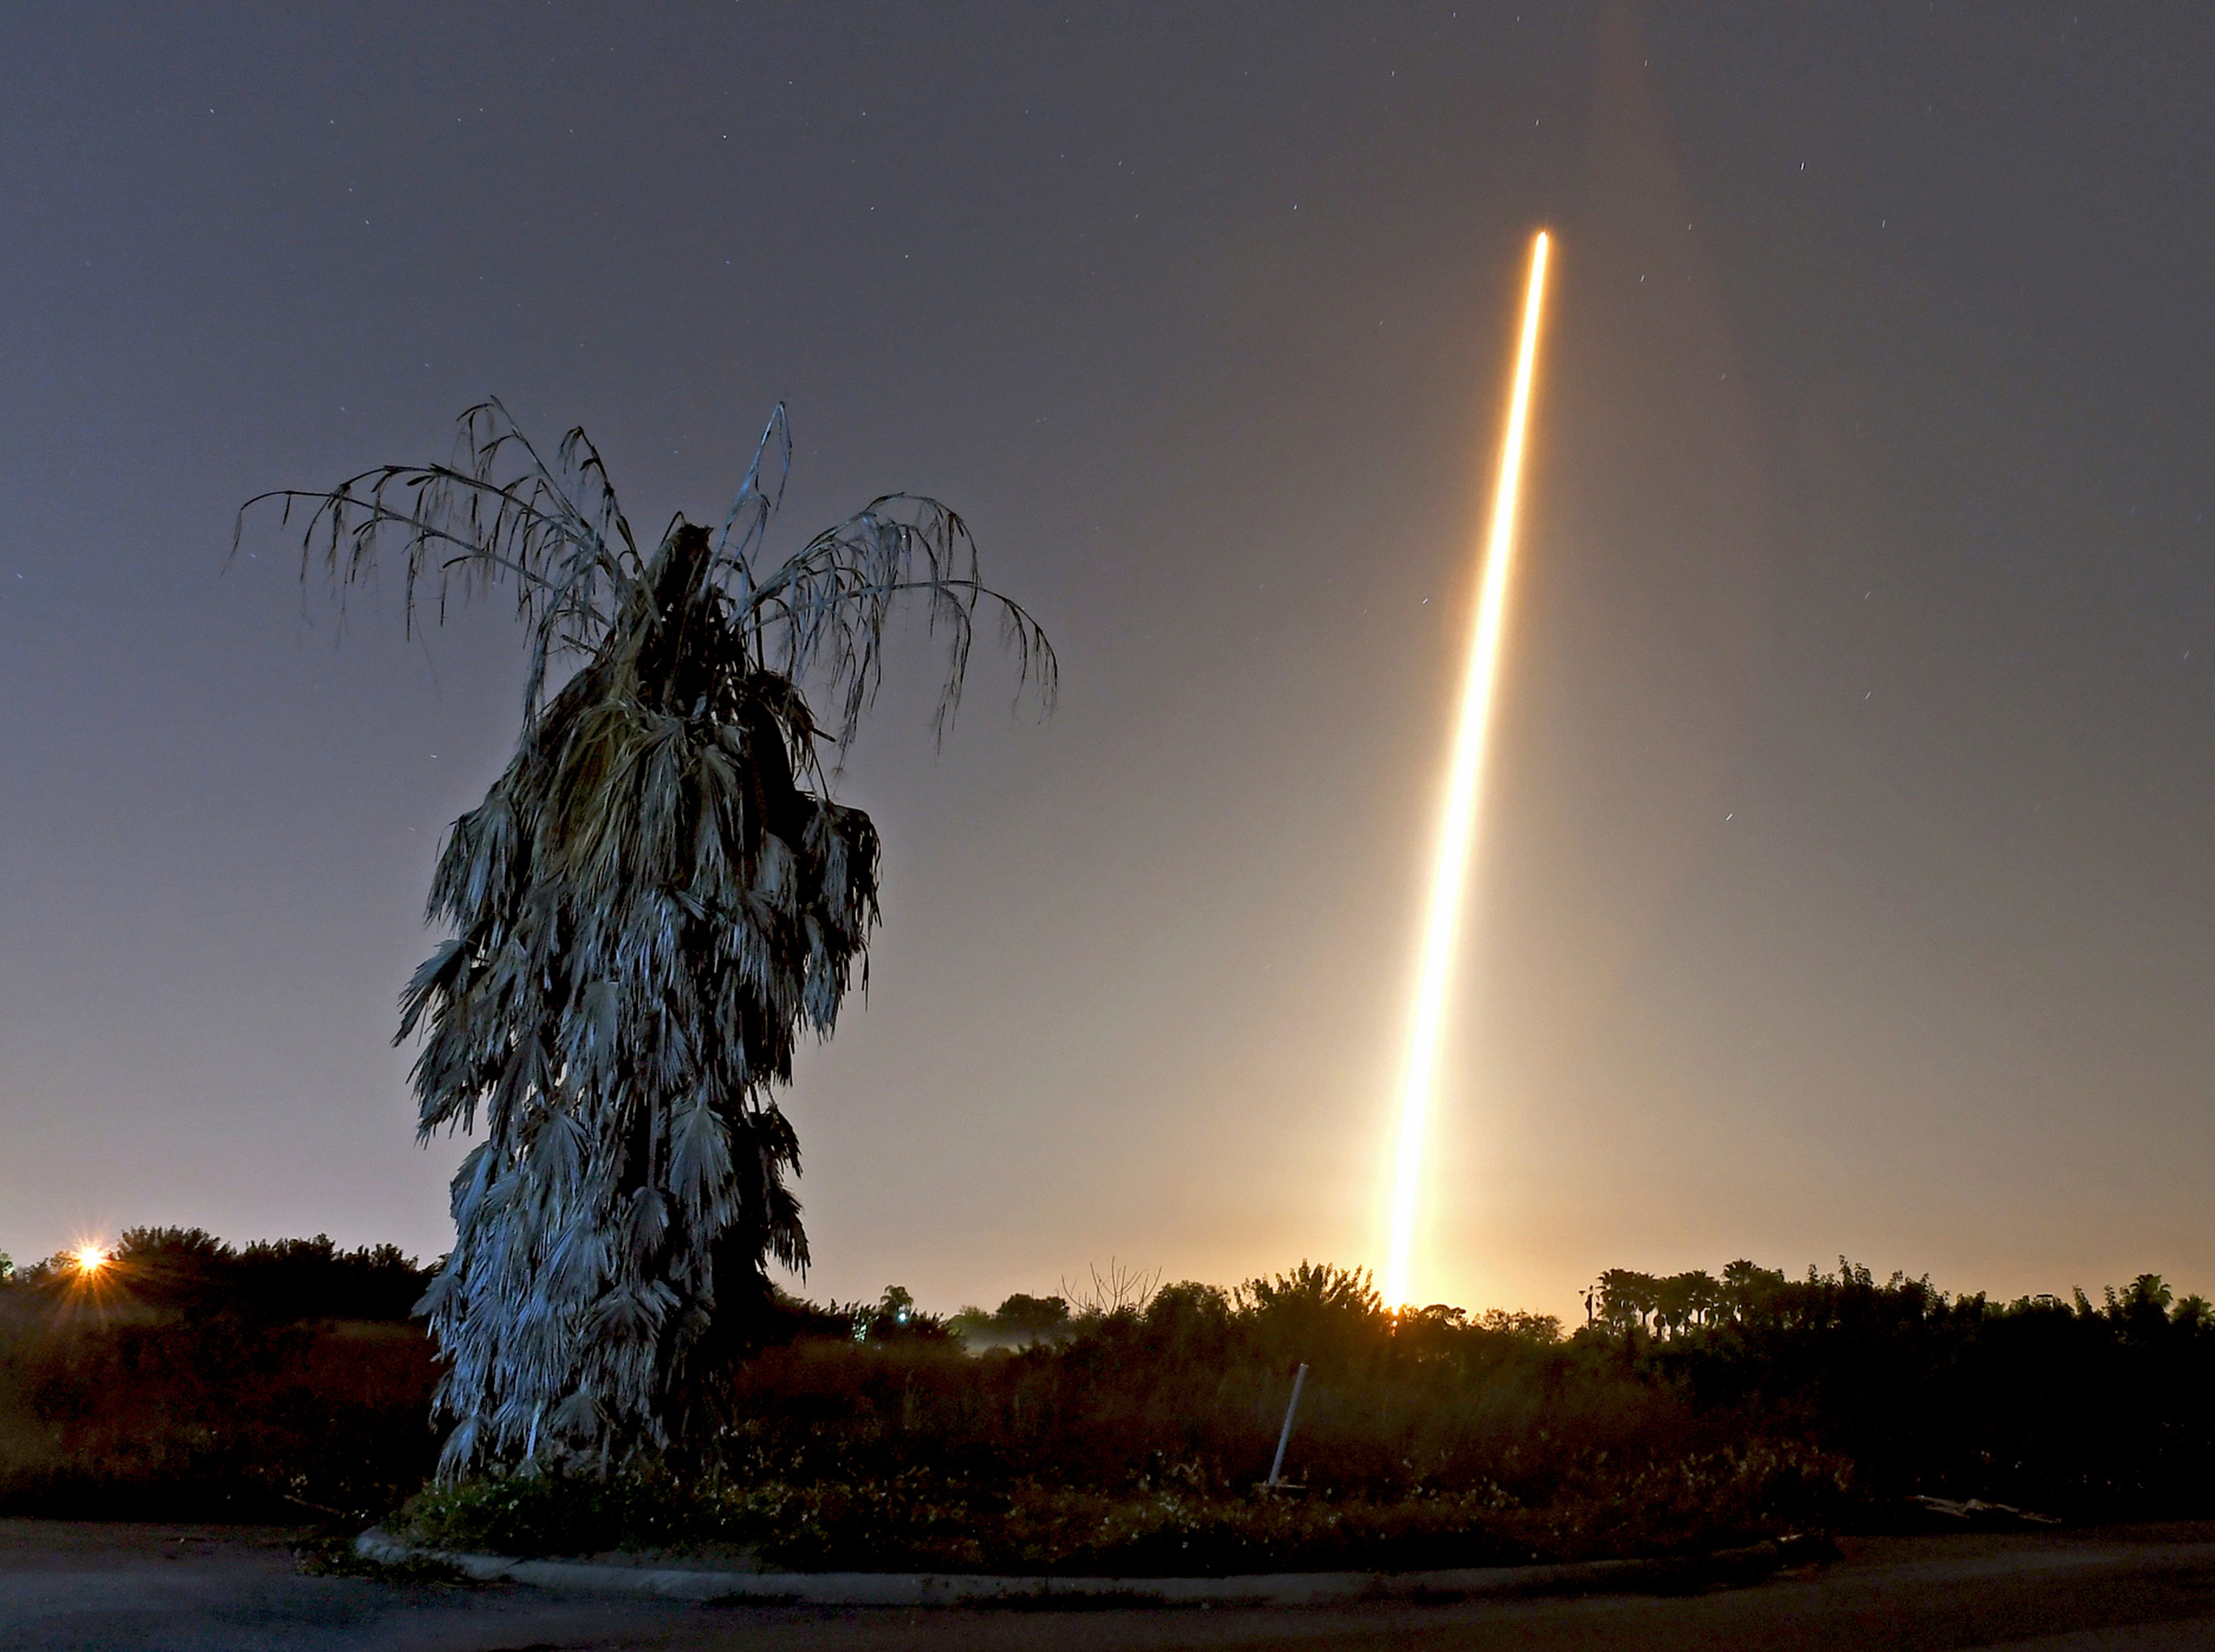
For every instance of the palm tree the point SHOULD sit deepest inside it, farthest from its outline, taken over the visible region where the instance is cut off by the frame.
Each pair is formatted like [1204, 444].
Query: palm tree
[654, 901]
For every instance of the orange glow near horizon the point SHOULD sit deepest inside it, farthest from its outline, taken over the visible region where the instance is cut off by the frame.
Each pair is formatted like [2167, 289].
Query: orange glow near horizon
[90, 1259]
[1457, 824]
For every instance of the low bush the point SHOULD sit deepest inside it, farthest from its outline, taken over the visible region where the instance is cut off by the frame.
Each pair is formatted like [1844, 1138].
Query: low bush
[919, 1520]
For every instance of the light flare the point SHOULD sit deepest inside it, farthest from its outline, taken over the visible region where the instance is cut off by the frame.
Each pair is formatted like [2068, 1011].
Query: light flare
[90, 1259]
[1457, 827]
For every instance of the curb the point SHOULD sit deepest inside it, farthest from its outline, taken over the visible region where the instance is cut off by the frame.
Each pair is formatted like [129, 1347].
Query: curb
[961, 1588]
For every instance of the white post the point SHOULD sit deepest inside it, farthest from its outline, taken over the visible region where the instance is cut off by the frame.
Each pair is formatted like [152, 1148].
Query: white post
[1277, 1468]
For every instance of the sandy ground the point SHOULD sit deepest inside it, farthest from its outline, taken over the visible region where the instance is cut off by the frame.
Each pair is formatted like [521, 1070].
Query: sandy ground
[114, 1587]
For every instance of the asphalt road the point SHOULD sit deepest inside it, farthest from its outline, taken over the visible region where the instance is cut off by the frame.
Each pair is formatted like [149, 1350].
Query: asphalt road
[67, 1586]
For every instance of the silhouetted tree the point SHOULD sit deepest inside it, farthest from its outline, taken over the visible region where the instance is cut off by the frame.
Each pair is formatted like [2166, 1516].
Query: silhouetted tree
[1750, 1291]
[653, 902]
[1030, 1316]
[1626, 1298]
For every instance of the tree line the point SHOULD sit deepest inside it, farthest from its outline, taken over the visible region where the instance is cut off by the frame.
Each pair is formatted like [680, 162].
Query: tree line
[1668, 1307]
[188, 1269]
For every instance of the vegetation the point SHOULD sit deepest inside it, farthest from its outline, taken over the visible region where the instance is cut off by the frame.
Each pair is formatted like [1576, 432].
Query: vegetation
[1129, 1440]
[184, 1378]
[655, 902]
[1125, 1438]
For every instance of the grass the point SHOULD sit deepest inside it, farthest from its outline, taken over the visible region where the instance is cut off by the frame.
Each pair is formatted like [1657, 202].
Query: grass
[920, 1522]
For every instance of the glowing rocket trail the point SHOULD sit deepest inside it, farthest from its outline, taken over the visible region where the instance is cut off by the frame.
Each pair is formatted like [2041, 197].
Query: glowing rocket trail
[1457, 829]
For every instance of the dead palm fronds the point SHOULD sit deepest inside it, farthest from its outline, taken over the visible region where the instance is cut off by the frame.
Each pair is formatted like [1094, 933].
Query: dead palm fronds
[652, 904]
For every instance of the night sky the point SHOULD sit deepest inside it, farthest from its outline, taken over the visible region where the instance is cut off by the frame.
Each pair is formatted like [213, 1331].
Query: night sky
[1849, 879]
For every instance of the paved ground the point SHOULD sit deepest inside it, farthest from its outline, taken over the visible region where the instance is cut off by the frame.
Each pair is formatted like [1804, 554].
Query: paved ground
[147, 1589]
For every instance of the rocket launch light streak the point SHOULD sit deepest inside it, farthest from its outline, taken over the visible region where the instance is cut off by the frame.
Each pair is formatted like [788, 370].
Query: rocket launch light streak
[1458, 828]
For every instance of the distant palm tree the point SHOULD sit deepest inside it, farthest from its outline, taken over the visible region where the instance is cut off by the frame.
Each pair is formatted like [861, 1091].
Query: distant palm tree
[652, 904]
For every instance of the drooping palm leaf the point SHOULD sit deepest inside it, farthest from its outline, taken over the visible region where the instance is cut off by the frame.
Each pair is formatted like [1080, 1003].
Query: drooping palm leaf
[648, 911]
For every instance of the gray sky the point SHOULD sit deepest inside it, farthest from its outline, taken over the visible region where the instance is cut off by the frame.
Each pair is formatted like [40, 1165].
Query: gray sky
[1849, 878]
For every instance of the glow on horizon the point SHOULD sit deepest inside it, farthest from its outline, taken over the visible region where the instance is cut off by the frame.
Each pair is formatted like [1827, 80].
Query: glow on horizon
[1458, 828]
